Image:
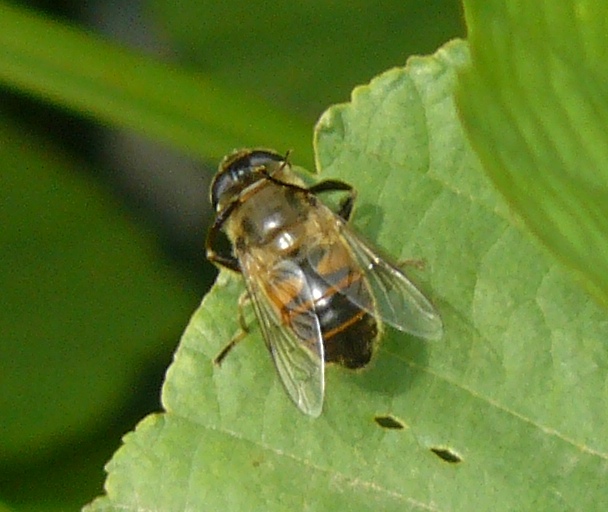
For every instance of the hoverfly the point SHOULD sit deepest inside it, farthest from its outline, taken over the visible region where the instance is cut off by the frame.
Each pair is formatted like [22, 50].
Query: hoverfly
[319, 292]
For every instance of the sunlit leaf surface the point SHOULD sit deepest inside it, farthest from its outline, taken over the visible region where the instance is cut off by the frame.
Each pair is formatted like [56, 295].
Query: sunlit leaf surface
[508, 411]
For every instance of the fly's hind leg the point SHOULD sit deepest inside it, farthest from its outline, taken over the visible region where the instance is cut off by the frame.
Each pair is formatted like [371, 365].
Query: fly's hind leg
[413, 262]
[244, 299]
[231, 344]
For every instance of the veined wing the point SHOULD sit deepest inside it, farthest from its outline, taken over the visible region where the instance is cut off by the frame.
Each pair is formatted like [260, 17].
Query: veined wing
[291, 329]
[394, 298]
[398, 301]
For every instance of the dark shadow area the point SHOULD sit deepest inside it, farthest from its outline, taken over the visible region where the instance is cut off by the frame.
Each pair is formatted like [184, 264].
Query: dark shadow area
[389, 422]
[28, 477]
[447, 455]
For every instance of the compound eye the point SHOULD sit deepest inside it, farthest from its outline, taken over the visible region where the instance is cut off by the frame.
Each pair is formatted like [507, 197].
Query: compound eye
[259, 158]
[239, 170]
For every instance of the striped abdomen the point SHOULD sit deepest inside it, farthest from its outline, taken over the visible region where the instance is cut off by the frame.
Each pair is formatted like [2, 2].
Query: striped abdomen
[348, 330]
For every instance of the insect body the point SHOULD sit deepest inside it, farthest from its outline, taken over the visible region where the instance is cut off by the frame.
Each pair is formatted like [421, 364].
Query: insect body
[319, 292]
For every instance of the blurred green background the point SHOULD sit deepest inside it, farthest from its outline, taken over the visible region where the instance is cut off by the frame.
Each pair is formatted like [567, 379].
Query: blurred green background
[102, 258]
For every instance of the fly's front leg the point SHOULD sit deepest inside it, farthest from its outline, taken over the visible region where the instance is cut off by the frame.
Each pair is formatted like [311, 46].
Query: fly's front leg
[244, 299]
[225, 260]
[347, 204]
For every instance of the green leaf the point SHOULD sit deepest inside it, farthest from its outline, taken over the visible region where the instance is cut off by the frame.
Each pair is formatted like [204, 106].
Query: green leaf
[509, 411]
[535, 104]
[94, 77]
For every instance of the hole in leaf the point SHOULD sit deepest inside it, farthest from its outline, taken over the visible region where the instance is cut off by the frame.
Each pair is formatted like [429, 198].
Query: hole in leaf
[447, 455]
[389, 422]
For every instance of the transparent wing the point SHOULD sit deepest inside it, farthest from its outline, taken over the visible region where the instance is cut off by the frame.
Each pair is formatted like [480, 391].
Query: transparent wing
[395, 298]
[291, 329]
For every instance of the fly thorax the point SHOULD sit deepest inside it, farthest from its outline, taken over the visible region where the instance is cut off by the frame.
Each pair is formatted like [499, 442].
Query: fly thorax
[272, 218]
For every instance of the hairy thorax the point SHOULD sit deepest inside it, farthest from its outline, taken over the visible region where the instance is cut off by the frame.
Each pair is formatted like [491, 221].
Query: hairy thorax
[273, 220]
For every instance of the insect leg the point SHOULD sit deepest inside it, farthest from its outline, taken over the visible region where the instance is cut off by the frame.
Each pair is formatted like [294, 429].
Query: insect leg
[244, 329]
[225, 260]
[228, 261]
[244, 300]
[416, 263]
[346, 206]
